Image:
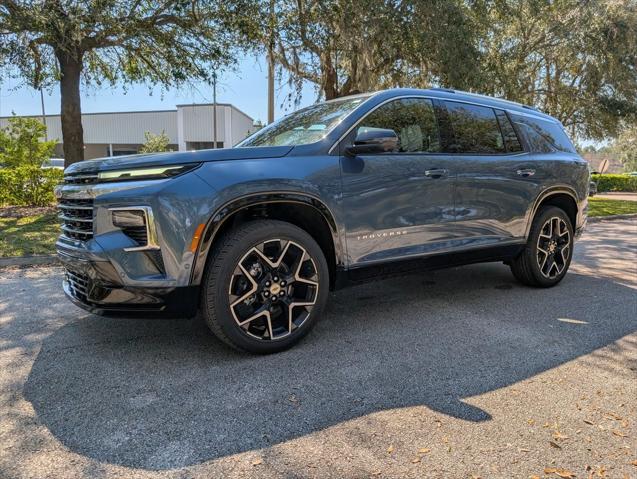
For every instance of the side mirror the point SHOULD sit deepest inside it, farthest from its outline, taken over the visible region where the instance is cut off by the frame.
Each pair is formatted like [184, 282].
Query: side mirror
[373, 140]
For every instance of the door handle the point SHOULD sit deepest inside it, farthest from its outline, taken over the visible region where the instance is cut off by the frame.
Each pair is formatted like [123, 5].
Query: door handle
[436, 173]
[526, 172]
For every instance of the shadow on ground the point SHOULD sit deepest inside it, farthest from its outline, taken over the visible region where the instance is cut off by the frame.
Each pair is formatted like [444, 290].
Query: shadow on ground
[165, 394]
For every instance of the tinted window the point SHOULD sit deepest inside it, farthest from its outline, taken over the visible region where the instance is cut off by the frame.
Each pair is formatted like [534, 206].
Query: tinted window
[413, 120]
[543, 136]
[511, 141]
[475, 129]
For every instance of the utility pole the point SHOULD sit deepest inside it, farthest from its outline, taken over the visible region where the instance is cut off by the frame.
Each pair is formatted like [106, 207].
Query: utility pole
[271, 66]
[214, 110]
[46, 133]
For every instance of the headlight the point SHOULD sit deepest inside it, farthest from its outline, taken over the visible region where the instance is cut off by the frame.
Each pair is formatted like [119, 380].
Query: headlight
[151, 173]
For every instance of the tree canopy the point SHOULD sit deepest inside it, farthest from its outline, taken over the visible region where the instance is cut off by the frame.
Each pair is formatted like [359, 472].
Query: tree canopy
[625, 147]
[574, 59]
[104, 42]
[347, 46]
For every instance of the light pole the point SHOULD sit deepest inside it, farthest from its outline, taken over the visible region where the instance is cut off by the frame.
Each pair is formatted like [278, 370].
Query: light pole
[271, 66]
[46, 133]
[214, 109]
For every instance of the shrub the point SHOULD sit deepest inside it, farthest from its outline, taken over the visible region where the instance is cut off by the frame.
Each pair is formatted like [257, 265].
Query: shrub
[615, 182]
[21, 143]
[28, 185]
[155, 143]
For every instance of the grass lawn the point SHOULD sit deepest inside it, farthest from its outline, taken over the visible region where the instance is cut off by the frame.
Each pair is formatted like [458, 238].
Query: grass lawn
[604, 207]
[28, 235]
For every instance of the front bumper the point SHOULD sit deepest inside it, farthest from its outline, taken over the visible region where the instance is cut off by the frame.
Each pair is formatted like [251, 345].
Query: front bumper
[93, 286]
[118, 272]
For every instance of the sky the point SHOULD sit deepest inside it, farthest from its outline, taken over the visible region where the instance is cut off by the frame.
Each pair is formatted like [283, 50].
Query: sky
[246, 88]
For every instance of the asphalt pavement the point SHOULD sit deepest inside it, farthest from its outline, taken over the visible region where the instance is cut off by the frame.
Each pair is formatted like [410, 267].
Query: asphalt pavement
[461, 373]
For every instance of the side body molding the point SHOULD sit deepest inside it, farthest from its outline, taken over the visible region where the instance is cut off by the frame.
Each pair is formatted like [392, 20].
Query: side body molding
[230, 208]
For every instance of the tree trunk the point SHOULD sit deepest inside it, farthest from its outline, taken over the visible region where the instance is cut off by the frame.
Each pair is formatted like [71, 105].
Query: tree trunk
[330, 79]
[71, 109]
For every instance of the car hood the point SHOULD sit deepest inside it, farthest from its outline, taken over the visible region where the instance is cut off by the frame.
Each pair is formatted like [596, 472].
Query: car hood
[176, 158]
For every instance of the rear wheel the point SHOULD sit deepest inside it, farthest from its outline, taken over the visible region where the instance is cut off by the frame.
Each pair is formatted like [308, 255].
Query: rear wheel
[549, 249]
[265, 286]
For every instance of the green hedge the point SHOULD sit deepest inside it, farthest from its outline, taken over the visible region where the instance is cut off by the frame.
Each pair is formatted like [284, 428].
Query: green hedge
[615, 183]
[28, 185]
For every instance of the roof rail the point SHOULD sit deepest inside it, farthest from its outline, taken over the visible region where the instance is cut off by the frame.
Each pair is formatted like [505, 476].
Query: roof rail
[448, 90]
[530, 107]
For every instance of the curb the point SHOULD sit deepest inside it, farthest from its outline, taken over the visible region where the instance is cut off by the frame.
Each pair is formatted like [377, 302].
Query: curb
[598, 219]
[28, 260]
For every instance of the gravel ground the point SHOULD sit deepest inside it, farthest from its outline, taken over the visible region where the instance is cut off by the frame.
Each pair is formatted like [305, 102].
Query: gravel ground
[460, 373]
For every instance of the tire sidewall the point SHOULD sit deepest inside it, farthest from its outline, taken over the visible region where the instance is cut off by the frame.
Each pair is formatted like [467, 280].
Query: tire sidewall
[536, 228]
[218, 284]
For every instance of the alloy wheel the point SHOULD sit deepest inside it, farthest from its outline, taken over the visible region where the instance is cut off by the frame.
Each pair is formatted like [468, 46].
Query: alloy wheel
[273, 289]
[553, 247]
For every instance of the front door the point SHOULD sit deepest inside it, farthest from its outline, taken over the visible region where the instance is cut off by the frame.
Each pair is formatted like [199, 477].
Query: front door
[399, 204]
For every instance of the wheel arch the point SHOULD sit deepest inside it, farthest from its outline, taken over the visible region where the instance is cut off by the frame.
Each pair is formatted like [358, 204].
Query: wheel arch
[301, 209]
[563, 197]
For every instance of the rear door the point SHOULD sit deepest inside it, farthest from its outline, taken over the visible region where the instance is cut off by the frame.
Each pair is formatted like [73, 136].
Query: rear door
[497, 180]
[399, 204]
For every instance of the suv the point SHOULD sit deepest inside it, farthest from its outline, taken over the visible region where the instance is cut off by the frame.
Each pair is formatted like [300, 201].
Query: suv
[337, 193]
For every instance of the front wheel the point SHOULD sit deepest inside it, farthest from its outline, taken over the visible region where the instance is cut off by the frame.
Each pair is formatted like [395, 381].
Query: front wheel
[548, 252]
[265, 286]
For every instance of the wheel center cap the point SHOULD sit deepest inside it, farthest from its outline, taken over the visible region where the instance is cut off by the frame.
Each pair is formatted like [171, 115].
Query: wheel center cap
[552, 246]
[275, 288]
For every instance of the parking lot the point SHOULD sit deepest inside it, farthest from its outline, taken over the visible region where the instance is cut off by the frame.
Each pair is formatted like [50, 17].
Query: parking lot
[458, 373]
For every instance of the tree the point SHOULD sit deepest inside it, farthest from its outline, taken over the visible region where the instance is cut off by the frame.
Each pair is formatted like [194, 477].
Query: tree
[625, 147]
[21, 143]
[573, 59]
[155, 143]
[100, 42]
[349, 46]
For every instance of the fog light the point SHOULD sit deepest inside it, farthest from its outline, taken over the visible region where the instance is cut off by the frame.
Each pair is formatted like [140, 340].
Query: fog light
[129, 219]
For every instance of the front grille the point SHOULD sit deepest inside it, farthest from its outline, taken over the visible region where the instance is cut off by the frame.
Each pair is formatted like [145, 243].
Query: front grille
[80, 179]
[79, 285]
[77, 218]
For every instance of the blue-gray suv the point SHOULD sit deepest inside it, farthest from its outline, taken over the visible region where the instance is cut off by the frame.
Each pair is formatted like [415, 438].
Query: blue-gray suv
[340, 192]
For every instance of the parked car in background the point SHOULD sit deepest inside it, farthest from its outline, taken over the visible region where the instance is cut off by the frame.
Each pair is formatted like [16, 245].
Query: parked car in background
[336, 193]
[57, 163]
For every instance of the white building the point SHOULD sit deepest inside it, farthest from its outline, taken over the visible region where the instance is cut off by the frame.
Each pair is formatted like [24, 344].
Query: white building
[189, 127]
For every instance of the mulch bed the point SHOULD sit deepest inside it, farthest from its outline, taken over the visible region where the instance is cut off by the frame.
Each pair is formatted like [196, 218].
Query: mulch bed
[22, 211]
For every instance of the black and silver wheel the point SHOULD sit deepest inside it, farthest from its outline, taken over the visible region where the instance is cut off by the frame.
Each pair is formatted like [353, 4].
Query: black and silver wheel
[548, 252]
[265, 286]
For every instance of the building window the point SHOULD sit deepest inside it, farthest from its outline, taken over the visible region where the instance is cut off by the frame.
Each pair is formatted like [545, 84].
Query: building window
[202, 145]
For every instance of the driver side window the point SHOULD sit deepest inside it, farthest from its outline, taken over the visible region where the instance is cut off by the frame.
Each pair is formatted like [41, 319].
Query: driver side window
[413, 120]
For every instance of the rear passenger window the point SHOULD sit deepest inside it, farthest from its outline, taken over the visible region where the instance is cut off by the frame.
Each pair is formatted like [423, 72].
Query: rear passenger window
[413, 120]
[543, 136]
[511, 141]
[475, 129]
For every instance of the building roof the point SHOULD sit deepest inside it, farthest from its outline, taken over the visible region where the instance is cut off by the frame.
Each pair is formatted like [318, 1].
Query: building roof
[53, 115]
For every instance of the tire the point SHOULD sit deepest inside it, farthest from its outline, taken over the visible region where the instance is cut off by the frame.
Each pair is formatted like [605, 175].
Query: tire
[548, 252]
[265, 286]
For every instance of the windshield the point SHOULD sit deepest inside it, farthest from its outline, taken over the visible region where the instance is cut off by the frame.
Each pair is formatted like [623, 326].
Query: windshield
[305, 126]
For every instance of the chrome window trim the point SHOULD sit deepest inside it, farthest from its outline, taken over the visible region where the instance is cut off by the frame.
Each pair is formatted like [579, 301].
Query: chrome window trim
[152, 243]
[432, 98]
